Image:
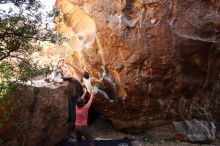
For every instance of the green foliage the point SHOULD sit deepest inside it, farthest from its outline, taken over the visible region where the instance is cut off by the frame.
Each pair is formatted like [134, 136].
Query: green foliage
[15, 76]
[19, 2]
[29, 71]
[6, 72]
[20, 36]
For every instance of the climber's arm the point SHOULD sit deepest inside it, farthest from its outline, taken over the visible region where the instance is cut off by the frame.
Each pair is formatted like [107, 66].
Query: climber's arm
[84, 94]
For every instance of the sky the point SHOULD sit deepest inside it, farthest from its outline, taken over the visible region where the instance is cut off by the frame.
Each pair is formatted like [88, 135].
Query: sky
[47, 6]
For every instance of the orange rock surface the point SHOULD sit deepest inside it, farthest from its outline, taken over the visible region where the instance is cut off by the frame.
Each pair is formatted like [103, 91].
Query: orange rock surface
[163, 55]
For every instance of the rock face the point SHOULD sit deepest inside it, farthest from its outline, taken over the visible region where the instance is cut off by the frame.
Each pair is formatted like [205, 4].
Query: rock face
[197, 131]
[42, 118]
[163, 55]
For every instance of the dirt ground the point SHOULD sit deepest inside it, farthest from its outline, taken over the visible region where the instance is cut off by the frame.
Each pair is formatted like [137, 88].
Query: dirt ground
[102, 128]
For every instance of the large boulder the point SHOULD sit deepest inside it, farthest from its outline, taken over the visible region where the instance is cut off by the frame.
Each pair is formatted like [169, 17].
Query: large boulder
[41, 119]
[196, 131]
[163, 55]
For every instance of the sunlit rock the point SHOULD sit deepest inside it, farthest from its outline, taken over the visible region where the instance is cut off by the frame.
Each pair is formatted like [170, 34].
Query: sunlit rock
[80, 23]
[163, 56]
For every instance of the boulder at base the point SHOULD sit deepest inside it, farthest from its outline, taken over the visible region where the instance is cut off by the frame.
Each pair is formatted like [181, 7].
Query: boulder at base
[42, 118]
[196, 131]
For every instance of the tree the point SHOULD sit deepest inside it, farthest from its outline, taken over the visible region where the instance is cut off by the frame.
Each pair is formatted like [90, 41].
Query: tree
[19, 2]
[20, 34]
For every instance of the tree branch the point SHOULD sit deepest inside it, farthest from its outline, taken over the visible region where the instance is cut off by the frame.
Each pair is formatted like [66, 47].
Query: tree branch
[5, 35]
[5, 56]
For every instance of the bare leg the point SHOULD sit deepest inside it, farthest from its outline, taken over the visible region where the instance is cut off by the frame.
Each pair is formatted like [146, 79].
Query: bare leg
[97, 90]
[111, 84]
[107, 80]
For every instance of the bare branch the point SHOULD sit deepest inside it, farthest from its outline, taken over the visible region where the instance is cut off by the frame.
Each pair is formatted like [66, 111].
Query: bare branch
[4, 56]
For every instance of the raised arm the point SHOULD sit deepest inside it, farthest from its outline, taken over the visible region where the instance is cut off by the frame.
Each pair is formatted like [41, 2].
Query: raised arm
[90, 100]
[84, 94]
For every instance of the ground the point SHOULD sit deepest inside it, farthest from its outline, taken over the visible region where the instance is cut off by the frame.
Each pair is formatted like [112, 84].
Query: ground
[101, 128]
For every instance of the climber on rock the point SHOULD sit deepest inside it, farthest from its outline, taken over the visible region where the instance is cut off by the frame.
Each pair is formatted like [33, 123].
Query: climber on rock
[87, 82]
[82, 119]
[107, 80]
[73, 91]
